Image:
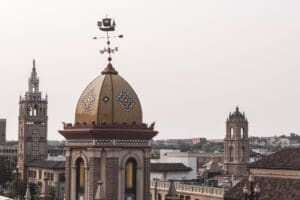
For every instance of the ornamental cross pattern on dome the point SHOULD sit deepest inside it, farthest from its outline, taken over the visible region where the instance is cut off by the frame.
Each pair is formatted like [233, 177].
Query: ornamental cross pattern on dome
[88, 100]
[126, 101]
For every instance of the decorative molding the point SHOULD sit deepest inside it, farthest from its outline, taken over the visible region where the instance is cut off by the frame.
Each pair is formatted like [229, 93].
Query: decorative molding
[112, 142]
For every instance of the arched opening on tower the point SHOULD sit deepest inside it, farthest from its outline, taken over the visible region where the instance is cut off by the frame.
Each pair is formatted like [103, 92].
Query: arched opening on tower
[130, 179]
[80, 179]
[35, 110]
[231, 133]
[231, 154]
[242, 133]
[33, 88]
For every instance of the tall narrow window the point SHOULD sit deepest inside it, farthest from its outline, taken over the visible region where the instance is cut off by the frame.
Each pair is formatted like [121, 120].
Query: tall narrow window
[80, 179]
[242, 133]
[33, 88]
[231, 133]
[130, 185]
[35, 110]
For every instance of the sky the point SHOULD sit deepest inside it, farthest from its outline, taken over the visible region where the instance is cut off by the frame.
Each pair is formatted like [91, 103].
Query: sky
[190, 62]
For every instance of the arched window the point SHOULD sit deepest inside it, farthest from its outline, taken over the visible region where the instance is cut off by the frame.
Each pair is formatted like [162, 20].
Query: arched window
[242, 133]
[231, 154]
[231, 133]
[33, 88]
[35, 110]
[30, 111]
[80, 179]
[130, 180]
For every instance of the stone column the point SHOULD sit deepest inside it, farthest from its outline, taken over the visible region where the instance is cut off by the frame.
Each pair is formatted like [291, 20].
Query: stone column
[67, 174]
[146, 178]
[94, 175]
[112, 173]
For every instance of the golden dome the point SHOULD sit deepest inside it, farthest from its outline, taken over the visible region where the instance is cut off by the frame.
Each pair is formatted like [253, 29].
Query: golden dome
[108, 99]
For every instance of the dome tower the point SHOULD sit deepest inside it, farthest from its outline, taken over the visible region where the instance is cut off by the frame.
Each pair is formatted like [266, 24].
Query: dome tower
[108, 141]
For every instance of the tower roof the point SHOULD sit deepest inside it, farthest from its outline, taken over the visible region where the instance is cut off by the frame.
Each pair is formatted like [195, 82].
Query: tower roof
[237, 115]
[108, 99]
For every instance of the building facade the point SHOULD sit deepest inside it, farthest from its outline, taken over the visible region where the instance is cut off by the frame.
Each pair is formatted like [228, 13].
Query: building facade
[2, 131]
[236, 144]
[33, 121]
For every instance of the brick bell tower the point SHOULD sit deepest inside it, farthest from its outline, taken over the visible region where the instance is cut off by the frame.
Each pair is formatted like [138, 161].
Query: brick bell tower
[33, 122]
[236, 144]
[108, 143]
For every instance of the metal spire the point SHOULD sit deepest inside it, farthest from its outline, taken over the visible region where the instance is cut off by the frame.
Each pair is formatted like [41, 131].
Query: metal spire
[33, 65]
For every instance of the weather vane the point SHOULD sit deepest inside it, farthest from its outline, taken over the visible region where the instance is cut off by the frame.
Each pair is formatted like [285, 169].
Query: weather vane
[108, 25]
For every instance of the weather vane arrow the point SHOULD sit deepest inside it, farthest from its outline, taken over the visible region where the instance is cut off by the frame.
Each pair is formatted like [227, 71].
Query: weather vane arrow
[108, 25]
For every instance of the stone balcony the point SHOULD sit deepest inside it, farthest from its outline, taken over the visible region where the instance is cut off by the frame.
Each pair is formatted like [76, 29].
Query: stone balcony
[191, 192]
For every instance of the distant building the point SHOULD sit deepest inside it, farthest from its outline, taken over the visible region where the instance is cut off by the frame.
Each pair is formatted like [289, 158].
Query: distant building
[32, 152]
[199, 140]
[236, 144]
[8, 151]
[167, 171]
[2, 131]
[54, 171]
[175, 156]
[33, 122]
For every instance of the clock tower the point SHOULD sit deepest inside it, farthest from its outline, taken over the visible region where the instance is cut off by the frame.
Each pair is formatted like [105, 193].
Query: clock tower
[32, 125]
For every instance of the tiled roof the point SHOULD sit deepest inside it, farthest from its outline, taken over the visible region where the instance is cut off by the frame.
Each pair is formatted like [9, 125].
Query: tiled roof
[270, 189]
[47, 164]
[169, 167]
[288, 158]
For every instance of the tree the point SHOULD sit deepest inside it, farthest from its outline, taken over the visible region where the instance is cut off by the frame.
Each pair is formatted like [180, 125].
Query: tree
[6, 170]
[17, 187]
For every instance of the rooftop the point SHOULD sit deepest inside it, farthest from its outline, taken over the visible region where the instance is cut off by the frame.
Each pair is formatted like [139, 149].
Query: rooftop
[288, 159]
[271, 189]
[47, 164]
[169, 167]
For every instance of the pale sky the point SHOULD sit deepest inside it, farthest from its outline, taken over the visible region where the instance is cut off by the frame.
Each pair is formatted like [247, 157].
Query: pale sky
[190, 61]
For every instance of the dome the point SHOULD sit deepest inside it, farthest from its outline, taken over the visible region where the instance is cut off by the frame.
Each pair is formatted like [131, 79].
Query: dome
[108, 99]
[237, 115]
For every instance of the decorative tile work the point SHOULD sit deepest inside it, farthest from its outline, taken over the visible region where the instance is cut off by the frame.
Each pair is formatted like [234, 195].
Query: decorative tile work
[126, 101]
[105, 99]
[88, 100]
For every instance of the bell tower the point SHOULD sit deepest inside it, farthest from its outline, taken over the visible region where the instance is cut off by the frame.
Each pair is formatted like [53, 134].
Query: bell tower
[236, 144]
[32, 125]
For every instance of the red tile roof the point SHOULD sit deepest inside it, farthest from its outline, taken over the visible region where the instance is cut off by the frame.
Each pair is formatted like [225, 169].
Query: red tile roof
[270, 189]
[169, 167]
[288, 158]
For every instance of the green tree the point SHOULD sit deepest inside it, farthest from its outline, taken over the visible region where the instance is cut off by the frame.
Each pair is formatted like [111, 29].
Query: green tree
[6, 168]
[17, 187]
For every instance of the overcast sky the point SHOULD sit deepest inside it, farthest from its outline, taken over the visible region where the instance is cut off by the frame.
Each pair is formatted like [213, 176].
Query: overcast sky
[190, 62]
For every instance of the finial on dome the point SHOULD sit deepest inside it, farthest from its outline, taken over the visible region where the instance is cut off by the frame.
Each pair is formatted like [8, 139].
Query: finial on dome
[237, 109]
[108, 25]
[109, 69]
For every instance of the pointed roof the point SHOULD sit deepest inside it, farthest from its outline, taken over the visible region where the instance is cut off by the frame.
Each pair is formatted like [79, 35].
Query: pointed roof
[172, 193]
